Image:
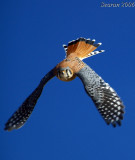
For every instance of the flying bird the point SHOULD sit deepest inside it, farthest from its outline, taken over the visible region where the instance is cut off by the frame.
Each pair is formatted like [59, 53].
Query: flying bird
[106, 100]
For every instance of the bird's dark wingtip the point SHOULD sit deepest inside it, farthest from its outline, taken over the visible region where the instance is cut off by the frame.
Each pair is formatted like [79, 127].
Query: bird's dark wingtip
[8, 128]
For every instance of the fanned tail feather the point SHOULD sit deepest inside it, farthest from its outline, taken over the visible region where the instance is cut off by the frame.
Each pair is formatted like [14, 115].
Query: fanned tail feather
[82, 47]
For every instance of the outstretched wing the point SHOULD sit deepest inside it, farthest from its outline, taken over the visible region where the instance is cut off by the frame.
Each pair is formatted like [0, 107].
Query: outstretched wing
[18, 119]
[105, 98]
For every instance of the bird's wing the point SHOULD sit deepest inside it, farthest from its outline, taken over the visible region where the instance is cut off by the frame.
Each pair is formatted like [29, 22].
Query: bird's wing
[105, 98]
[19, 118]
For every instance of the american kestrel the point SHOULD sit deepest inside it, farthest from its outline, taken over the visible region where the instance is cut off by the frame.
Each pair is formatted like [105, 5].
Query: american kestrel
[106, 100]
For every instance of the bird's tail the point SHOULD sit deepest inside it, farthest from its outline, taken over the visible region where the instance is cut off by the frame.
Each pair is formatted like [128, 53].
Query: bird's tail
[82, 47]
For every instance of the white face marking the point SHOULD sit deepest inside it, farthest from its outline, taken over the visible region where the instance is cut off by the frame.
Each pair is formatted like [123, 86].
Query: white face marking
[64, 74]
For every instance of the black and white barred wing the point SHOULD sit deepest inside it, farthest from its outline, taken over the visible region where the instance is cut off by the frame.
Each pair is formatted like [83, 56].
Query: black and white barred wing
[18, 119]
[105, 98]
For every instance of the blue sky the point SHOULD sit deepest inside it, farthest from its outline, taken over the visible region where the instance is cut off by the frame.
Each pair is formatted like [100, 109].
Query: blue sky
[65, 124]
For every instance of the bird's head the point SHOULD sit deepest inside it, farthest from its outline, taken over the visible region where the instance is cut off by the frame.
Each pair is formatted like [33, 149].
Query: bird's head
[65, 74]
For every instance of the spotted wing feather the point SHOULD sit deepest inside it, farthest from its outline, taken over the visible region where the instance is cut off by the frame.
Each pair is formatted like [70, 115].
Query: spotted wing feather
[105, 98]
[19, 118]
